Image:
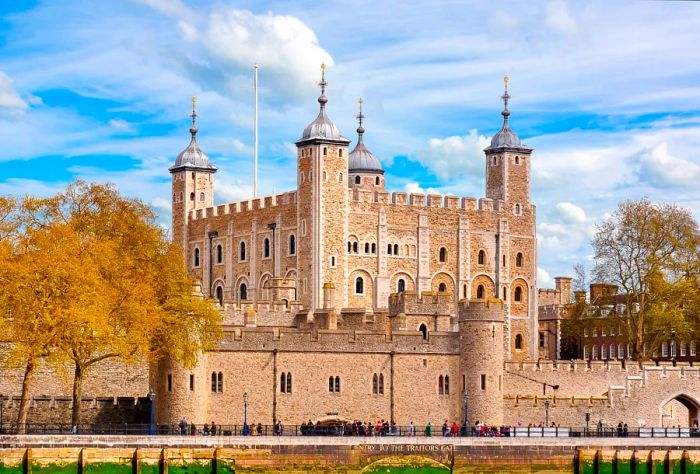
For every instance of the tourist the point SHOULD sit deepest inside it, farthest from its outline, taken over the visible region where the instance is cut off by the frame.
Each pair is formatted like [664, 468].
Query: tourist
[455, 429]
[205, 430]
[212, 430]
[193, 429]
[411, 430]
[446, 428]
[429, 429]
[619, 429]
[394, 429]
[183, 426]
[625, 430]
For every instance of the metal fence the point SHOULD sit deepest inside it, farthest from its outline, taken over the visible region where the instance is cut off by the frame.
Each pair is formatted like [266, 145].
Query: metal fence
[349, 430]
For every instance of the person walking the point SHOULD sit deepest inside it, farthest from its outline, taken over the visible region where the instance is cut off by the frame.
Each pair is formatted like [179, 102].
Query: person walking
[411, 430]
[429, 429]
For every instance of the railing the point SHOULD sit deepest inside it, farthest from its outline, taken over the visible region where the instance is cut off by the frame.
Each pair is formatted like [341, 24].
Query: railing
[125, 429]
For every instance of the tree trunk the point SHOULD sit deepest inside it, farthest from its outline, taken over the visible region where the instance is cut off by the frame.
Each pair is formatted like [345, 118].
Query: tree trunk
[24, 401]
[77, 394]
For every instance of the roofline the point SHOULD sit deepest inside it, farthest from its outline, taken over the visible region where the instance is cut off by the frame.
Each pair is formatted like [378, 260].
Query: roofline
[365, 170]
[522, 149]
[322, 140]
[188, 167]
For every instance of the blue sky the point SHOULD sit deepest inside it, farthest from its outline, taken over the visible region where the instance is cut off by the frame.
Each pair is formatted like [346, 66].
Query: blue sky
[608, 94]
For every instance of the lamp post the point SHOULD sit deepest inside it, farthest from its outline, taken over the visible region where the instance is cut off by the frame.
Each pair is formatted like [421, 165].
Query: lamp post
[152, 398]
[673, 347]
[546, 413]
[465, 426]
[246, 431]
[2, 405]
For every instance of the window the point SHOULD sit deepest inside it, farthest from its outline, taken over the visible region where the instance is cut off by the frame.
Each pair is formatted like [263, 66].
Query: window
[441, 385]
[443, 255]
[340, 177]
[366, 247]
[334, 384]
[504, 260]
[325, 151]
[424, 330]
[213, 381]
[303, 227]
[191, 196]
[374, 249]
[505, 293]
[196, 257]
[325, 176]
[375, 384]
[612, 351]
[518, 342]
[292, 245]
[483, 382]
[266, 248]
[283, 383]
[242, 252]
[331, 385]
[595, 352]
[219, 254]
[354, 247]
[517, 209]
[621, 351]
[289, 382]
[482, 257]
[586, 352]
[401, 285]
[519, 260]
[389, 249]
[480, 292]
[381, 384]
[220, 384]
[359, 286]
[220, 295]
[349, 247]
[170, 383]
[692, 348]
[377, 181]
[683, 349]
[673, 348]
[340, 152]
[333, 261]
[396, 249]
[518, 294]
[243, 291]
[464, 290]
[603, 352]
[541, 339]
[517, 160]
[442, 288]
[191, 382]
[585, 332]
[664, 349]
[357, 180]
[201, 197]
[447, 384]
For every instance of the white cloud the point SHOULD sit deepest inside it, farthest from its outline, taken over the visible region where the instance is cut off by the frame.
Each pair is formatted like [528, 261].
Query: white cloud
[167, 7]
[413, 187]
[659, 168]
[9, 98]
[454, 156]
[544, 280]
[120, 124]
[571, 213]
[559, 18]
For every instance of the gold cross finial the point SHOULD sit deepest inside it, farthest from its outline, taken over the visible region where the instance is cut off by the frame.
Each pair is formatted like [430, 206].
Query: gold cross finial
[505, 81]
[194, 113]
[323, 66]
[359, 101]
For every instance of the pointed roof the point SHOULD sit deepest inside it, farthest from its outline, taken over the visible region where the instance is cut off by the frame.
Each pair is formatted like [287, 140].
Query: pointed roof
[193, 157]
[361, 159]
[322, 128]
[506, 138]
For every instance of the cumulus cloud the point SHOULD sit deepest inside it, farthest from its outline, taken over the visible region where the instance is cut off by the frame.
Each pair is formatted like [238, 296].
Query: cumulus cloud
[120, 125]
[454, 156]
[559, 18]
[9, 98]
[544, 279]
[167, 7]
[657, 167]
[570, 213]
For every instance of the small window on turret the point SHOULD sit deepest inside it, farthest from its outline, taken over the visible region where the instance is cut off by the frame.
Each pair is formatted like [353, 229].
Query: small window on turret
[340, 152]
[191, 196]
[325, 151]
[358, 180]
[517, 160]
[377, 181]
[495, 161]
[201, 197]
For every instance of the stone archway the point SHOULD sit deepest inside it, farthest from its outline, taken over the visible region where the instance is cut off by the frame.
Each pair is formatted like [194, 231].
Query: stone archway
[406, 464]
[681, 410]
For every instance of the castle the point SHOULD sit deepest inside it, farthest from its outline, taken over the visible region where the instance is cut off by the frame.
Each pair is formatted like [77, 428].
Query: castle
[342, 300]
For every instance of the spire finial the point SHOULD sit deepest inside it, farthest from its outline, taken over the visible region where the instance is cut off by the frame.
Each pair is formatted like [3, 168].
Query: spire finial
[322, 84]
[360, 117]
[506, 98]
[193, 128]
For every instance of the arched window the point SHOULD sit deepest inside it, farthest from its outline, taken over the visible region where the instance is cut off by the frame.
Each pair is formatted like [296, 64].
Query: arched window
[213, 381]
[442, 288]
[517, 209]
[219, 254]
[354, 247]
[381, 384]
[349, 247]
[375, 384]
[337, 384]
[377, 181]
[191, 196]
[357, 180]
[201, 197]
[441, 385]
[424, 330]
[505, 293]
[292, 245]
[482, 257]
[340, 177]
[331, 385]
[196, 257]
[289, 382]
[366, 247]
[374, 249]
[464, 291]
[518, 294]
[359, 286]
[340, 152]
[220, 384]
[519, 260]
[443, 254]
[518, 342]
[447, 384]
[517, 160]
[480, 292]
[401, 285]
[243, 291]
[266, 248]
[242, 252]
[220, 295]
[283, 383]
[388, 249]
[396, 249]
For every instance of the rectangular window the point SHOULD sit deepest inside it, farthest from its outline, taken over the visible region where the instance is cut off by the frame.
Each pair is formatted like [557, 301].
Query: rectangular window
[612, 331]
[585, 352]
[191, 381]
[692, 348]
[595, 352]
[303, 227]
[304, 285]
[673, 348]
[604, 352]
[664, 349]
[464, 383]
[541, 339]
[603, 331]
[683, 349]
[483, 381]
[585, 332]
[595, 332]
[332, 261]
[170, 383]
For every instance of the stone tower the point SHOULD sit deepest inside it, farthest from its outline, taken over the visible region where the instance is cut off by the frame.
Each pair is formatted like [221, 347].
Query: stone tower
[481, 359]
[364, 169]
[322, 169]
[192, 184]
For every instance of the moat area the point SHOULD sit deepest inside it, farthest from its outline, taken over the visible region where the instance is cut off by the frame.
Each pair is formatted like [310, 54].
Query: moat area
[174, 455]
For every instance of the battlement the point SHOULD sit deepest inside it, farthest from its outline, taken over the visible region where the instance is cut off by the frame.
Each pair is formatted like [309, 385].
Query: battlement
[409, 303]
[480, 310]
[423, 201]
[665, 369]
[264, 202]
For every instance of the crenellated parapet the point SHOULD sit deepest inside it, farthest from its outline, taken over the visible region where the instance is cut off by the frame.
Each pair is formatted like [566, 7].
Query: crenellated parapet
[481, 310]
[284, 199]
[428, 303]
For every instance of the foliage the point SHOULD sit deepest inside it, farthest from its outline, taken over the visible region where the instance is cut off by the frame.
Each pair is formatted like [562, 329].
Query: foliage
[651, 252]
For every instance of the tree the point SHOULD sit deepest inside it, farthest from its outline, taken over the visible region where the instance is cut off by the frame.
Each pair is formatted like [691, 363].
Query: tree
[125, 293]
[580, 279]
[651, 253]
